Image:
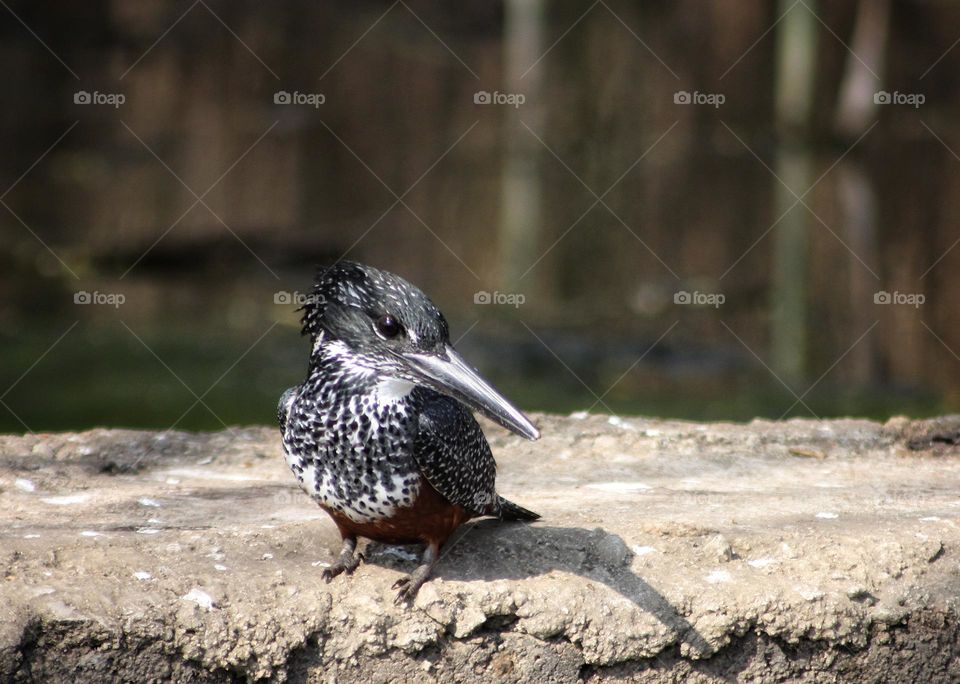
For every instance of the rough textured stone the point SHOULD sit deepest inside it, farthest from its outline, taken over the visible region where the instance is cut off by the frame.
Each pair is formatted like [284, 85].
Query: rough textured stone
[668, 551]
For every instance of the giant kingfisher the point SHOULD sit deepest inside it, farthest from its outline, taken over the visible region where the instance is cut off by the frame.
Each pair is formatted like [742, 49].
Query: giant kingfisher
[380, 433]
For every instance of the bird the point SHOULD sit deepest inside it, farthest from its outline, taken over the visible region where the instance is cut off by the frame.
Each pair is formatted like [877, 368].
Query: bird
[381, 432]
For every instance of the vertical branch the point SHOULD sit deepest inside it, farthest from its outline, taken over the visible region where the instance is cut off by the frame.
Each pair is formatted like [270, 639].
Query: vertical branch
[856, 111]
[520, 195]
[794, 84]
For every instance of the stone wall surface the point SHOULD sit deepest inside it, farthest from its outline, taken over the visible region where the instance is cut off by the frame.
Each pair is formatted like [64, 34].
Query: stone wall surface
[811, 551]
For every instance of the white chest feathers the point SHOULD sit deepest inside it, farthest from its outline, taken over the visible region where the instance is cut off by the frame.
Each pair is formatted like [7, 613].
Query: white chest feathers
[390, 390]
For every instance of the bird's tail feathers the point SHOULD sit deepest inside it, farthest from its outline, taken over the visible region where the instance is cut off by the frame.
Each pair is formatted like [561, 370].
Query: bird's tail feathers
[511, 511]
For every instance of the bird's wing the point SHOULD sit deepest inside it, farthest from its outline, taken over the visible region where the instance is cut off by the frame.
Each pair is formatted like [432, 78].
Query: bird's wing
[454, 456]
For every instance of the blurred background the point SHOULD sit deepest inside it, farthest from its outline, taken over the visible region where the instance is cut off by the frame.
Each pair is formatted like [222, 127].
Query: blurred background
[694, 209]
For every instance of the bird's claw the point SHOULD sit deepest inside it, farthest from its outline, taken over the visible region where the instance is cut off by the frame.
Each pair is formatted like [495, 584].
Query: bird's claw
[343, 565]
[407, 589]
[403, 595]
[331, 572]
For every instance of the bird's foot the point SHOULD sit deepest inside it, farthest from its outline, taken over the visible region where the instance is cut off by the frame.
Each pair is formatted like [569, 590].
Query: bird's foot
[410, 584]
[346, 563]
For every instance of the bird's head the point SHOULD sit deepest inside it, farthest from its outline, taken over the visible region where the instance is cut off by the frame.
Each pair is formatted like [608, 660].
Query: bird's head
[391, 327]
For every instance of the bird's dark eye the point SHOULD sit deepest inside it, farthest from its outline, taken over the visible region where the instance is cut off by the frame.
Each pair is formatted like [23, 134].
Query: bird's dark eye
[388, 326]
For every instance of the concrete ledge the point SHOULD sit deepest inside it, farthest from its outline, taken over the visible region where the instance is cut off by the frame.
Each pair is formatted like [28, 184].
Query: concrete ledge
[801, 551]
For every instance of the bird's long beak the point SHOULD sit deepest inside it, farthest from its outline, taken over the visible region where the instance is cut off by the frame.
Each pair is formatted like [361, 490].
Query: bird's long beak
[448, 373]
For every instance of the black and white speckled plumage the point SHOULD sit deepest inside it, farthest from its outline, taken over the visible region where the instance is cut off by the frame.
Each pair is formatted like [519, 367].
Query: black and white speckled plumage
[361, 434]
[453, 453]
